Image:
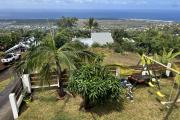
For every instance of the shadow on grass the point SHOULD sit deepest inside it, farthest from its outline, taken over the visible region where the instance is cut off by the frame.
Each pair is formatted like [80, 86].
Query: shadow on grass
[66, 100]
[61, 115]
[23, 107]
[106, 108]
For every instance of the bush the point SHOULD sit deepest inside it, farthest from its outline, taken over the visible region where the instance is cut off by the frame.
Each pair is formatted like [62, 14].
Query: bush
[95, 45]
[1, 54]
[95, 84]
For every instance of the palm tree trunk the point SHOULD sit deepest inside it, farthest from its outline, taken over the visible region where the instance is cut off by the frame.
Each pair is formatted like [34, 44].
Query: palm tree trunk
[60, 88]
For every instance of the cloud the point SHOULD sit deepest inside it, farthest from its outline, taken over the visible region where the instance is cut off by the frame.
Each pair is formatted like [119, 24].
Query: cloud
[89, 3]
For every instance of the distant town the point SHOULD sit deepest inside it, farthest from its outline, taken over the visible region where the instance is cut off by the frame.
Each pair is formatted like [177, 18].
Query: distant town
[106, 25]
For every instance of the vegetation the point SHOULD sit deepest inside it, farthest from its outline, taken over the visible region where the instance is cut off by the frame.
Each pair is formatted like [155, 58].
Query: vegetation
[166, 57]
[95, 84]
[9, 39]
[66, 22]
[150, 41]
[91, 24]
[58, 58]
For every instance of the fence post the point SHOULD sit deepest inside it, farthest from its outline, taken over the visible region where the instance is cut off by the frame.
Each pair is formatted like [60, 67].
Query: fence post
[14, 106]
[26, 82]
[169, 65]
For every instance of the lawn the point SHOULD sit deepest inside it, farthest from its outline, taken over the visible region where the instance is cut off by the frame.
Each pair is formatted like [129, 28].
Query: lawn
[145, 106]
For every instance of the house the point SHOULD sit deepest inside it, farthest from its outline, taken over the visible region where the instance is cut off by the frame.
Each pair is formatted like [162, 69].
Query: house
[101, 38]
[21, 46]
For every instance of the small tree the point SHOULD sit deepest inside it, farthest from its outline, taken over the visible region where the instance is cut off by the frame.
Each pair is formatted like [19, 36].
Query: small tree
[95, 84]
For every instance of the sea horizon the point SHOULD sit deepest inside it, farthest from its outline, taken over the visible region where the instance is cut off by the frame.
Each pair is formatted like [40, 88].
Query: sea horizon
[171, 15]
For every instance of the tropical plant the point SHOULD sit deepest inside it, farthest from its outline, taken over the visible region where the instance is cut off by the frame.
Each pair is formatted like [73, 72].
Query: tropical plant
[91, 24]
[45, 58]
[166, 57]
[95, 84]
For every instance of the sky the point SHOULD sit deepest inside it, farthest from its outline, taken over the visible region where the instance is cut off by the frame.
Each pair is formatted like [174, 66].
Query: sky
[90, 4]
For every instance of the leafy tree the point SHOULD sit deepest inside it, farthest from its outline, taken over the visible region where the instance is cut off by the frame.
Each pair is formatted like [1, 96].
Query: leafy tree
[82, 33]
[47, 58]
[95, 84]
[91, 24]
[118, 35]
[9, 39]
[67, 22]
[120, 44]
[63, 36]
[95, 45]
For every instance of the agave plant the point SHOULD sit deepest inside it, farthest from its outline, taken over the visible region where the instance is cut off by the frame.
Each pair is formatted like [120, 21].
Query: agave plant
[46, 58]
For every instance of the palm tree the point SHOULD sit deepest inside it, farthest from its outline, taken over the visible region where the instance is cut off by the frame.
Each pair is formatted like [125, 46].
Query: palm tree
[91, 24]
[46, 58]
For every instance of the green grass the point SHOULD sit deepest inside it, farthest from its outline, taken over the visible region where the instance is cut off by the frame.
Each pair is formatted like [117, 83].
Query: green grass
[4, 84]
[145, 107]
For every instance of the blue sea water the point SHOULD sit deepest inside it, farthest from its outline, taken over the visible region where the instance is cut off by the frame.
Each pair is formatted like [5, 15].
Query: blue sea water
[165, 15]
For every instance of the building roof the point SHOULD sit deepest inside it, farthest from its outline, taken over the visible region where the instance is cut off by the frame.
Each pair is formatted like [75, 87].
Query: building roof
[25, 45]
[102, 38]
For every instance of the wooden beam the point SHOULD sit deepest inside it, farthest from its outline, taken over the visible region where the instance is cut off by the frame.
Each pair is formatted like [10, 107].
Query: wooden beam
[162, 64]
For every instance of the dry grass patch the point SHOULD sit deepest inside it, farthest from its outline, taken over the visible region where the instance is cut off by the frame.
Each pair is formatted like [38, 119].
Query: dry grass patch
[110, 57]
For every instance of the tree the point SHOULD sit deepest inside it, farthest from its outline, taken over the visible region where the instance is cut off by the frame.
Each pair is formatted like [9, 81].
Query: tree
[9, 39]
[63, 36]
[118, 35]
[95, 84]
[166, 57]
[47, 58]
[91, 24]
[67, 22]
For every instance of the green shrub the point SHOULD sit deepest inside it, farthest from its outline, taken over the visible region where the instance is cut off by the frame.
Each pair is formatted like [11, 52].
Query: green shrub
[96, 85]
[95, 45]
[1, 54]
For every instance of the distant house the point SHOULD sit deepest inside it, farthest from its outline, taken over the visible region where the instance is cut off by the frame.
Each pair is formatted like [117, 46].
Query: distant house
[100, 38]
[21, 46]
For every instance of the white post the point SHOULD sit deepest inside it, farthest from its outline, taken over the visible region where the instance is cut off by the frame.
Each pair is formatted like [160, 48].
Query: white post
[146, 73]
[14, 106]
[117, 72]
[26, 82]
[169, 65]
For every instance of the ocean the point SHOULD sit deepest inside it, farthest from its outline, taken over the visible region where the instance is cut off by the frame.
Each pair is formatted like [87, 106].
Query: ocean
[164, 15]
